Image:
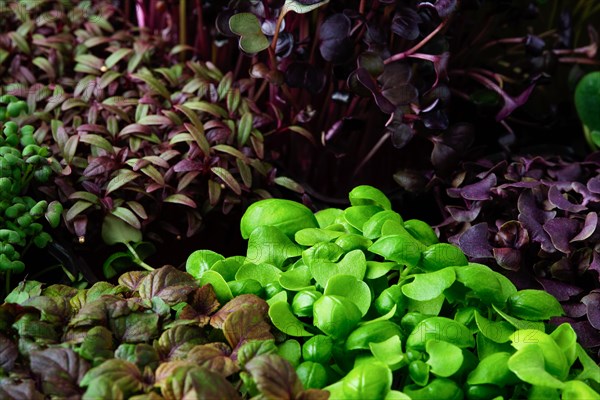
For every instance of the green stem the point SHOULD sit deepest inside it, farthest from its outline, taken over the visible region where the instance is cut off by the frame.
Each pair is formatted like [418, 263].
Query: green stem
[137, 259]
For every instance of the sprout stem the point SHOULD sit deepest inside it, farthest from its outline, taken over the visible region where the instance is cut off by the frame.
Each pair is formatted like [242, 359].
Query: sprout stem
[415, 48]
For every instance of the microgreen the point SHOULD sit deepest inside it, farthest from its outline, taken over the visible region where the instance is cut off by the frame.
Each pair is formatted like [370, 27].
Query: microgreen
[397, 315]
[547, 241]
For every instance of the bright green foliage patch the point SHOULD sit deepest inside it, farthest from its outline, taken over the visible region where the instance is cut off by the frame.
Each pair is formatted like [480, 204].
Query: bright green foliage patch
[382, 310]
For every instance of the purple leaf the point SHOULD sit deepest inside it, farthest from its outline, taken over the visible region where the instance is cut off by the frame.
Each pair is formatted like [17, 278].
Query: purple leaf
[589, 227]
[336, 45]
[443, 7]
[476, 191]
[561, 231]
[512, 103]
[575, 310]
[593, 185]
[406, 23]
[532, 219]
[461, 214]
[508, 258]
[512, 234]
[369, 82]
[474, 241]
[562, 291]
[557, 199]
[592, 302]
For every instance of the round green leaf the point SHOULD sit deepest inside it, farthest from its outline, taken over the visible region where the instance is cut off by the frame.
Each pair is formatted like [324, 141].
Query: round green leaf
[353, 289]
[287, 215]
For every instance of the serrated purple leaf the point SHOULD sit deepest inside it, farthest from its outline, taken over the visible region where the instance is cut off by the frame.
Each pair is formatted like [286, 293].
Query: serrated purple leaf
[561, 231]
[474, 241]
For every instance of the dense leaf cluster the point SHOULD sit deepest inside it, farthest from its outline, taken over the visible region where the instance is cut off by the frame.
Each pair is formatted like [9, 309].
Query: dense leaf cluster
[134, 134]
[23, 164]
[370, 306]
[537, 220]
[156, 335]
[371, 77]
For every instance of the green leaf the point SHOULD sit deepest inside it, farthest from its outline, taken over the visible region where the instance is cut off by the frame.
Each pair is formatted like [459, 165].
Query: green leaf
[368, 195]
[587, 100]
[115, 230]
[123, 374]
[221, 288]
[519, 323]
[283, 319]
[117, 56]
[244, 129]
[247, 26]
[445, 358]
[577, 390]
[123, 177]
[357, 216]
[372, 227]
[430, 285]
[335, 316]
[207, 107]
[127, 215]
[263, 273]
[153, 83]
[371, 380]
[528, 364]
[497, 331]
[268, 244]
[312, 236]
[374, 332]
[201, 261]
[533, 305]
[591, 370]
[401, 248]
[389, 352]
[554, 359]
[296, 279]
[154, 120]
[421, 231]
[442, 255]
[486, 284]
[440, 328]
[353, 289]
[97, 345]
[288, 216]
[566, 338]
[77, 209]
[182, 199]
[229, 180]
[291, 351]
[493, 370]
